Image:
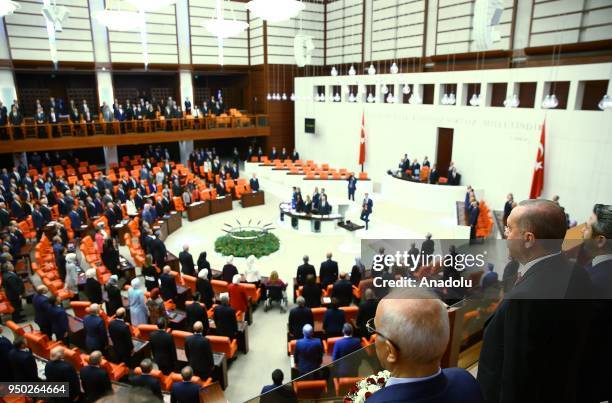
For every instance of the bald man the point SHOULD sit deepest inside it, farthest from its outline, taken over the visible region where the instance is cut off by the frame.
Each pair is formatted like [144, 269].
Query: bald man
[58, 370]
[198, 352]
[96, 337]
[94, 379]
[533, 344]
[412, 332]
[185, 391]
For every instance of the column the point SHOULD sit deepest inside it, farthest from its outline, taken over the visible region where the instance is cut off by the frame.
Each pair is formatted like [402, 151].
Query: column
[185, 148]
[105, 87]
[110, 156]
[7, 80]
[99, 35]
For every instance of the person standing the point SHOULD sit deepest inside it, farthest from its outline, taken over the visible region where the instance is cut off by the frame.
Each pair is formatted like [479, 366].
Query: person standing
[22, 362]
[121, 336]
[94, 379]
[59, 320]
[13, 287]
[199, 353]
[352, 186]
[136, 300]
[42, 307]
[96, 337]
[163, 348]
[58, 370]
[366, 210]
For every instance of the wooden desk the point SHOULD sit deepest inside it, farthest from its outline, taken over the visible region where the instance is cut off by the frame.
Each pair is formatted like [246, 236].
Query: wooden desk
[122, 229]
[176, 319]
[198, 210]
[253, 199]
[127, 269]
[219, 372]
[172, 261]
[174, 222]
[220, 204]
[162, 226]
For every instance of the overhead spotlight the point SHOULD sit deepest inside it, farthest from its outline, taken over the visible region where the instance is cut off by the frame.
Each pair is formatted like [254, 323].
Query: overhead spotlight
[371, 69]
[352, 71]
[334, 72]
[406, 89]
[475, 100]
[605, 103]
[394, 69]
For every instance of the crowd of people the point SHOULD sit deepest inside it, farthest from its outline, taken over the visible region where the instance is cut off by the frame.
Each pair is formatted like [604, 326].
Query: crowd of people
[411, 169]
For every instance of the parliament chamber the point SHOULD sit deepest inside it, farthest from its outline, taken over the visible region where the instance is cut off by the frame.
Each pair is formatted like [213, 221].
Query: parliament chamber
[273, 201]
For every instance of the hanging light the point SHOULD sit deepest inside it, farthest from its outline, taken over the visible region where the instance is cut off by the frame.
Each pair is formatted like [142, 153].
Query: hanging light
[351, 97]
[605, 103]
[292, 97]
[119, 20]
[151, 5]
[337, 97]
[550, 102]
[8, 7]
[371, 69]
[370, 98]
[269, 97]
[512, 101]
[445, 99]
[384, 89]
[390, 98]
[451, 99]
[475, 100]
[394, 69]
[406, 89]
[321, 97]
[275, 10]
[334, 71]
[415, 98]
[352, 71]
[284, 97]
[222, 28]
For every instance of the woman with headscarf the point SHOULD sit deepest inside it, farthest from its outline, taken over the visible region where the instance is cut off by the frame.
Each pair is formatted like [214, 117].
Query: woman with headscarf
[72, 275]
[113, 293]
[155, 306]
[204, 288]
[357, 272]
[110, 256]
[92, 288]
[136, 299]
[229, 270]
[251, 274]
[204, 264]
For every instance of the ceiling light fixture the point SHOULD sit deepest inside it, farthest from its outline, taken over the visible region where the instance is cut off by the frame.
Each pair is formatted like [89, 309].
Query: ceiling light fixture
[151, 5]
[8, 7]
[222, 28]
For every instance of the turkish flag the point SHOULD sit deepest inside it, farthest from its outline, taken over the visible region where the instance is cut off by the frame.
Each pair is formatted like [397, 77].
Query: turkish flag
[537, 183]
[362, 146]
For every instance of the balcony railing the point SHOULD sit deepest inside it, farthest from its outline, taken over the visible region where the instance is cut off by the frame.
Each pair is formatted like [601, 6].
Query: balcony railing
[66, 128]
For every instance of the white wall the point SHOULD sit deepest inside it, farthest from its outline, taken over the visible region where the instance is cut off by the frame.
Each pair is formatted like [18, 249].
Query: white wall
[493, 148]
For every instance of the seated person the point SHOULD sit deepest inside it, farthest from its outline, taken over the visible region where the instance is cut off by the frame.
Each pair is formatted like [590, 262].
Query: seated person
[275, 290]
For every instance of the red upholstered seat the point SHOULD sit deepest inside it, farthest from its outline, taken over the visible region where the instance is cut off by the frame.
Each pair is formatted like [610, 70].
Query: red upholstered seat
[179, 337]
[343, 385]
[223, 344]
[309, 389]
[80, 308]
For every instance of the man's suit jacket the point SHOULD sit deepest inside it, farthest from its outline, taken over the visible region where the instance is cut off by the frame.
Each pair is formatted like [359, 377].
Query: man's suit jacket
[23, 365]
[61, 371]
[303, 271]
[199, 355]
[96, 382]
[225, 321]
[148, 382]
[168, 286]
[163, 350]
[333, 320]
[187, 266]
[185, 392]
[254, 184]
[344, 347]
[277, 394]
[95, 333]
[158, 251]
[368, 205]
[473, 218]
[308, 354]
[367, 310]
[520, 359]
[75, 220]
[195, 312]
[298, 317]
[93, 290]
[451, 385]
[343, 291]
[121, 336]
[328, 273]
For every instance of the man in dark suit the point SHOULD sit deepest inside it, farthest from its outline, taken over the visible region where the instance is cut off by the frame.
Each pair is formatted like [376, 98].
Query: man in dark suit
[328, 272]
[298, 317]
[366, 210]
[187, 266]
[333, 320]
[308, 353]
[352, 186]
[75, 219]
[94, 379]
[304, 270]
[225, 319]
[96, 337]
[158, 251]
[121, 336]
[413, 360]
[42, 308]
[196, 312]
[167, 284]
[14, 289]
[6, 371]
[199, 353]
[254, 183]
[343, 347]
[163, 348]
[434, 175]
[427, 247]
[145, 380]
[474, 212]
[520, 356]
[185, 391]
[277, 392]
[343, 290]
[508, 206]
[367, 310]
[58, 370]
[22, 362]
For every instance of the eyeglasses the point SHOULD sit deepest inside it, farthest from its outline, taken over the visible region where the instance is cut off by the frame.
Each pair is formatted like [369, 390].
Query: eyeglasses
[371, 328]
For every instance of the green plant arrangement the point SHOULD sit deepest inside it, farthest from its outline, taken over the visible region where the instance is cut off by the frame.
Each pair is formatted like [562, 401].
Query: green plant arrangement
[260, 245]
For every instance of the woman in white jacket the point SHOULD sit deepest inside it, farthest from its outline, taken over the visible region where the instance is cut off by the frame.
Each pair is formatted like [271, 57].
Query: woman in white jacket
[130, 206]
[252, 274]
[72, 275]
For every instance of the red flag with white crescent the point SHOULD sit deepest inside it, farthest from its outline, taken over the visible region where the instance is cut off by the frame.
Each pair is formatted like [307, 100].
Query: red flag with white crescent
[537, 182]
[362, 146]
